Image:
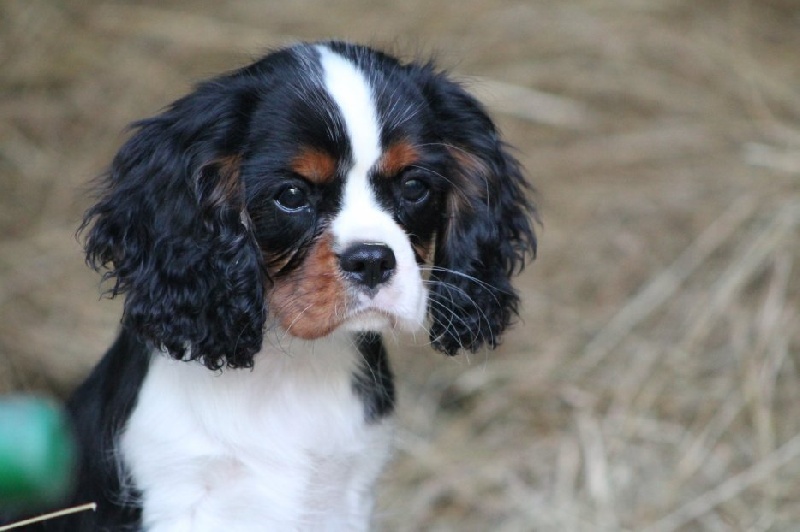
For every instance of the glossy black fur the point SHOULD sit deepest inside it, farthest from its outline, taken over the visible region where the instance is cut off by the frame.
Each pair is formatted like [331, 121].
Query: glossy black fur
[485, 243]
[374, 381]
[187, 226]
[188, 263]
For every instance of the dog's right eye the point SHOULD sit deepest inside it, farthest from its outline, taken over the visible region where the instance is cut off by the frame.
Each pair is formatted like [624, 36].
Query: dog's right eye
[414, 190]
[292, 198]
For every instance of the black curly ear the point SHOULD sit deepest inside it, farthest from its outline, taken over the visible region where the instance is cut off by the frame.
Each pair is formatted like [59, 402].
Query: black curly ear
[488, 230]
[171, 227]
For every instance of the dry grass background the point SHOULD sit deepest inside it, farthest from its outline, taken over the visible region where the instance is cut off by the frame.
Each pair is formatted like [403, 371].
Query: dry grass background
[653, 382]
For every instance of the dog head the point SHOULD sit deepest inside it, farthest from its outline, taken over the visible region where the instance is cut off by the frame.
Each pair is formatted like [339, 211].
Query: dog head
[325, 186]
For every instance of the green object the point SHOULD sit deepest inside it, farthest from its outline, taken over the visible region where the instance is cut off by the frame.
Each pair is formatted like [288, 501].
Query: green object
[37, 453]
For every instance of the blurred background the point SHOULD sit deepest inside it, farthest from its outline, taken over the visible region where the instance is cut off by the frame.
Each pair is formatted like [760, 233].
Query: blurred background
[653, 380]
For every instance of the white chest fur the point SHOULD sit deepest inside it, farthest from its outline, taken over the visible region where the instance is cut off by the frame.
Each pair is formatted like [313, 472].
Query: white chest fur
[284, 446]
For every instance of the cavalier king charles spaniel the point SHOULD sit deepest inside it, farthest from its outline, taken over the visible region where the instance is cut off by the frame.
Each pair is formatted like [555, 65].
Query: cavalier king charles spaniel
[265, 230]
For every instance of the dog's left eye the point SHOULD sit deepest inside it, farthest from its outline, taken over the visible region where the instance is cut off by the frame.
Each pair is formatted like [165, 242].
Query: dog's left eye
[292, 198]
[414, 190]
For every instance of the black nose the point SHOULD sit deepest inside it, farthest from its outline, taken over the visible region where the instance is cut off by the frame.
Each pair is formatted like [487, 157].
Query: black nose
[369, 264]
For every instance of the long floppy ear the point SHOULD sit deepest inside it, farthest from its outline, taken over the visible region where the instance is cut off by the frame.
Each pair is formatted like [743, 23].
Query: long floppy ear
[488, 230]
[171, 227]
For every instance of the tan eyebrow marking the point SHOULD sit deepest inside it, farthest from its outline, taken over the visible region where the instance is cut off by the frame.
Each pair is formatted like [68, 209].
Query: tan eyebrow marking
[398, 156]
[314, 165]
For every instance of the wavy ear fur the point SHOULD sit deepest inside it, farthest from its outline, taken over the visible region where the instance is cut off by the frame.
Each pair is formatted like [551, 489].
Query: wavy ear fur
[171, 227]
[487, 233]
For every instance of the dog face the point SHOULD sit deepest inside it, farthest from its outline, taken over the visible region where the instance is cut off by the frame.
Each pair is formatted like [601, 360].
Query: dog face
[362, 205]
[325, 186]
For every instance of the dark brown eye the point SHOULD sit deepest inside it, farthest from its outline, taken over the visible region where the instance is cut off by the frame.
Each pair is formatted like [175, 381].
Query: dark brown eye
[414, 190]
[292, 198]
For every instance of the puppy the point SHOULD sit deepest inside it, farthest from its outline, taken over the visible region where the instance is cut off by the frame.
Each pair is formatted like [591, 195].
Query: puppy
[265, 230]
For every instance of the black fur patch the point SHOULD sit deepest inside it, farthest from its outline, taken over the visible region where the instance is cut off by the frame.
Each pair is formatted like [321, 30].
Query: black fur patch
[374, 382]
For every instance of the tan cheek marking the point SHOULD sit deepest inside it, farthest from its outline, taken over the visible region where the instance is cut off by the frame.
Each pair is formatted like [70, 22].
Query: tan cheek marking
[275, 264]
[225, 189]
[398, 156]
[471, 179]
[315, 165]
[423, 251]
[310, 302]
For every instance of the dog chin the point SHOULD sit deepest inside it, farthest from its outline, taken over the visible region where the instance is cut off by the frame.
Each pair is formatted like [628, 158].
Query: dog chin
[371, 320]
[376, 320]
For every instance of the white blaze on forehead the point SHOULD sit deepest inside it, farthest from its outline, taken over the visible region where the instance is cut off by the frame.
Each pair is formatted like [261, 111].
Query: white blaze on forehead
[351, 91]
[361, 218]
